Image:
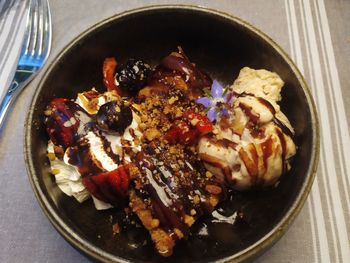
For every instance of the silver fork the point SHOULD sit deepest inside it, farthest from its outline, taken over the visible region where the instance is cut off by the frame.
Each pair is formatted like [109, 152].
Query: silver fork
[35, 50]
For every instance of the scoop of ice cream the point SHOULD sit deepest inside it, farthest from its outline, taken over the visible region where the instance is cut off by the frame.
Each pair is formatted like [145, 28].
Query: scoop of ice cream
[260, 83]
[263, 84]
[251, 161]
[252, 146]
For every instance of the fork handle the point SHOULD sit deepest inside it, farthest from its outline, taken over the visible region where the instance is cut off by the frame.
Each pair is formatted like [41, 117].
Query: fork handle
[7, 101]
[20, 80]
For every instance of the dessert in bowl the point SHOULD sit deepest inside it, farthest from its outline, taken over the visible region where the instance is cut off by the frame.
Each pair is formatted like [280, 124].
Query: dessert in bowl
[188, 157]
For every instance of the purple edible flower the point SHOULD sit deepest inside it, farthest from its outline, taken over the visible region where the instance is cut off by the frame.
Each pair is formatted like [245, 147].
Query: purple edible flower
[216, 102]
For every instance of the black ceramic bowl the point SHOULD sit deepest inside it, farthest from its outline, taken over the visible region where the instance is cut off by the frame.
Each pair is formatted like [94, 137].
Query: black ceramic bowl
[221, 45]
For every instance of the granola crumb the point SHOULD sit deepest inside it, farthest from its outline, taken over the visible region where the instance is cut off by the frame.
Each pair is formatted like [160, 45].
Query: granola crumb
[213, 189]
[55, 171]
[208, 174]
[178, 233]
[51, 156]
[151, 134]
[172, 100]
[189, 220]
[196, 199]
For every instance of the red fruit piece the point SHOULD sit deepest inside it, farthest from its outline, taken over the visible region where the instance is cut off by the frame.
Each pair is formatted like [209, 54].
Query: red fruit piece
[188, 131]
[202, 123]
[181, 132]
[172, 135]
[111, 187]
[108, 70]
[61, 123]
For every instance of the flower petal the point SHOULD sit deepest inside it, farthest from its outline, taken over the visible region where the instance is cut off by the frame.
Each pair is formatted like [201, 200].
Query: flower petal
[206, 102]
[211, 114]
[229, 98]
[226, 98]
[216, 89]
[224, 112]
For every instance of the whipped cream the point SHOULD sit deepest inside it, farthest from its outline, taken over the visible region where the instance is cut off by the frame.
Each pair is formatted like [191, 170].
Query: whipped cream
[69, 180]
[68, 177]
[91, 100]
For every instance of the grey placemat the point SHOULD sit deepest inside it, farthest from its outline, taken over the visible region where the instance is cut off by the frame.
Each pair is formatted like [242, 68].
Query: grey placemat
[315, 33]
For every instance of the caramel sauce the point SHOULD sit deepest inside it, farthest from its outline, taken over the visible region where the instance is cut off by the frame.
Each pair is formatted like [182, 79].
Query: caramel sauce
[223, 143]
[216, 162]
[249, 163]
[225, 123]
[267, 104]
[254, 155]
[195, 78]
[283, 127]
[267, 150]
[284, 148]
[249, 112]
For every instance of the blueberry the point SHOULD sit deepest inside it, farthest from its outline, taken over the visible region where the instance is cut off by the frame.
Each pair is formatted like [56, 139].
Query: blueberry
[114, 116]
[132, 75]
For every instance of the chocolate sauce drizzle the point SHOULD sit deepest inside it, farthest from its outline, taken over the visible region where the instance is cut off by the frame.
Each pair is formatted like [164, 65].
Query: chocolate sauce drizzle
[172, 188]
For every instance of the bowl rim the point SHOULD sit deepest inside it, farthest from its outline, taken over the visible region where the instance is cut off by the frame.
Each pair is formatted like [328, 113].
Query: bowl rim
[253, 250]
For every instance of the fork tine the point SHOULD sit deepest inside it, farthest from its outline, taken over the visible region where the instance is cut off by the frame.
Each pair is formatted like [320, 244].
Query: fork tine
[34, 29]
[46, 44]
[35, 50]
[40, 33]
[26, 39]
[38, 43]
[38, 36]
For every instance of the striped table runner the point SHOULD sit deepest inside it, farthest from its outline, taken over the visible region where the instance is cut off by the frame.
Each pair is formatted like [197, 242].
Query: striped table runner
[329, 203]
[12, 28]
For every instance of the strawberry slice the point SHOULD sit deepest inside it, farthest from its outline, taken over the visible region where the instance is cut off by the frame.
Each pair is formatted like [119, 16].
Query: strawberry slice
[172, 135]
[61, 123]
[181, 132]
[111, 187]
[108, 71]
[188, 130]
[202, 123]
